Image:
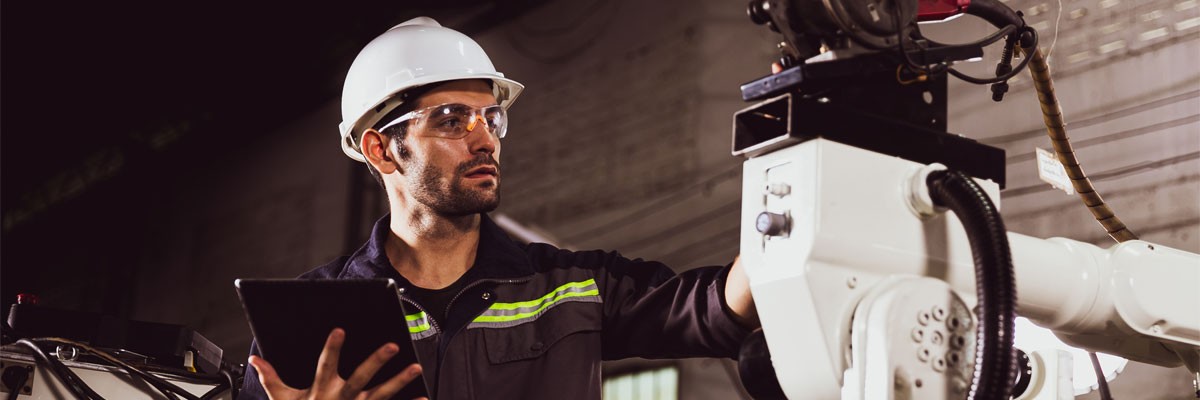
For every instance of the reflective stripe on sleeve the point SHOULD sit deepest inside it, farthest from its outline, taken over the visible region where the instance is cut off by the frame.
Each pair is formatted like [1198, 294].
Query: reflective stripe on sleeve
[503, 315]
[419, 326]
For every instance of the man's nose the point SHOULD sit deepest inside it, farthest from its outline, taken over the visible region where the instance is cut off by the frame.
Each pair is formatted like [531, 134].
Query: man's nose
[484, 140]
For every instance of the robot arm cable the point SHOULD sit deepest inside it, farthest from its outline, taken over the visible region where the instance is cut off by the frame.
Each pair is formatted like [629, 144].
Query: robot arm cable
[1056, 128]
[167, 388]
[1032, 35]
[69, 379]
[995, 360]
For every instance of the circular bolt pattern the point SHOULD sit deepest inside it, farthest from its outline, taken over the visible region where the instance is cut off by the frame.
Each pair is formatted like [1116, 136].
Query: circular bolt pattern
[918, 334]
[940, 334]
[939, 313]
[486, 295]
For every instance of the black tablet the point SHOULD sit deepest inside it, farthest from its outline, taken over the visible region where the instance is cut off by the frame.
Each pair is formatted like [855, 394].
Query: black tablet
[291, 320]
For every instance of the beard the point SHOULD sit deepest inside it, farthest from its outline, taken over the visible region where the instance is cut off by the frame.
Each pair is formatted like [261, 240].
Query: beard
[450, 195]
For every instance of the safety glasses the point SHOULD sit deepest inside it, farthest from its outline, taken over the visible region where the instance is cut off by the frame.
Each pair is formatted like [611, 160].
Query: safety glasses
[455, 121]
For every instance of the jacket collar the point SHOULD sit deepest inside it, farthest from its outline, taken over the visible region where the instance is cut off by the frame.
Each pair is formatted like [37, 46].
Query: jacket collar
[497, 257]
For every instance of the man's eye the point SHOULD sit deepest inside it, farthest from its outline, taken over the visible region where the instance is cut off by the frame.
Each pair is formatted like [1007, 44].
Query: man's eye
[451, 122]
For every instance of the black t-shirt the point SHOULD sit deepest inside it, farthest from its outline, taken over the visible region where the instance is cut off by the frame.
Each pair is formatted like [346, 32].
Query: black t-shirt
[437, 301]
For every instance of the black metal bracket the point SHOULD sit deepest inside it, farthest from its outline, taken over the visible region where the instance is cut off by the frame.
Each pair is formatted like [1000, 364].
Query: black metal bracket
[791, 119]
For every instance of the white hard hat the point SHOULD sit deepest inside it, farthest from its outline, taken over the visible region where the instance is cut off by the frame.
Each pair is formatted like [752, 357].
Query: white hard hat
[417, 52]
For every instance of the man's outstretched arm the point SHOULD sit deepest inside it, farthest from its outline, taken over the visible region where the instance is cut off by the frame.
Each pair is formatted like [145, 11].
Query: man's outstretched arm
[738, 296]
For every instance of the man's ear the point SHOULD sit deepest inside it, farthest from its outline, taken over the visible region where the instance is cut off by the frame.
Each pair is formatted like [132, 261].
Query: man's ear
[374, 145]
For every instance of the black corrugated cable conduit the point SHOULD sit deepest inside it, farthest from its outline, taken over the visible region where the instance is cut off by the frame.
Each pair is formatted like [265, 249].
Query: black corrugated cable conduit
[995, 360]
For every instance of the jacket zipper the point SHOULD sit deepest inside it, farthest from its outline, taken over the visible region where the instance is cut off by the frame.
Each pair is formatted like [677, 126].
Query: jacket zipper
[444, 344]
[427, 314]
[438, 332]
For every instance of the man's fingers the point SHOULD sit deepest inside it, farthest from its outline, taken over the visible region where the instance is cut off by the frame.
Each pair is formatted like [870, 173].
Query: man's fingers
[358, 380]
[267, 376]
[328, 362]
[388, 389]
[776, 67]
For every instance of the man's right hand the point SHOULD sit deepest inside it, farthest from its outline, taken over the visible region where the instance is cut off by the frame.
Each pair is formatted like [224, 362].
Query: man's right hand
[328, 385]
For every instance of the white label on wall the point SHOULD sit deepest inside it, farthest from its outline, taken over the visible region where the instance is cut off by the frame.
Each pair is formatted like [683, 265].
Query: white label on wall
[1051, 171]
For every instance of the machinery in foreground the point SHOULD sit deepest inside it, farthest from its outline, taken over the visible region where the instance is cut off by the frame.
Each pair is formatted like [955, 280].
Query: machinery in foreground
[61, 354]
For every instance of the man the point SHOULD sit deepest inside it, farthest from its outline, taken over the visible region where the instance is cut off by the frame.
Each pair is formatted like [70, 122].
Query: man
[425, 109]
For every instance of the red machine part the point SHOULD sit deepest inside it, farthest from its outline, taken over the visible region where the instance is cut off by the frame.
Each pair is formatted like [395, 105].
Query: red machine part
[27, 298]
[937, 10]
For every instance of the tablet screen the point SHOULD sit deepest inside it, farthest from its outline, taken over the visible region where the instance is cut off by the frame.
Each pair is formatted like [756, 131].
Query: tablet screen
[291, 319]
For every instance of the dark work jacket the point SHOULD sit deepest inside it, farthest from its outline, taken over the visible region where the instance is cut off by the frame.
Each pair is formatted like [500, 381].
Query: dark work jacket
[534, 321]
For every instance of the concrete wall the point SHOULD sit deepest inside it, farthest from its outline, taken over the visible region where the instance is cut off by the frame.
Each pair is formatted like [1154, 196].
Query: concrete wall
[621, 141]
[273, 210]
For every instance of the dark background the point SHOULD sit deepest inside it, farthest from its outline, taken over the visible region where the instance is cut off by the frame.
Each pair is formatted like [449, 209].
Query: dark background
[109, 108]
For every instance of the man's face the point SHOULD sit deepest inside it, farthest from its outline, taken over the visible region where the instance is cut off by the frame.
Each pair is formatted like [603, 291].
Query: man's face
[453, 177]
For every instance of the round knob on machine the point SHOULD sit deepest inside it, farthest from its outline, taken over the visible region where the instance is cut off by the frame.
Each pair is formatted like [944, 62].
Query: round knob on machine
[759, 11]
[771, 224]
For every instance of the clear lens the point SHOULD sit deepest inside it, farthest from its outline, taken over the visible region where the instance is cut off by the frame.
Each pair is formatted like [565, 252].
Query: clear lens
[497, 120]
[455, 121]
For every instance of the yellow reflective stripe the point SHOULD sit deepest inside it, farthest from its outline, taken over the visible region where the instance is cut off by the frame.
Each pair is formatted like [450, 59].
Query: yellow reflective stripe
[417, 323]
[419, 328]
[530, 303]
[507, 318]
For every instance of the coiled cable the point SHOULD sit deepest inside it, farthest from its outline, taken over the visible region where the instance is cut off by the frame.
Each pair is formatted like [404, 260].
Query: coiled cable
[1056, 128]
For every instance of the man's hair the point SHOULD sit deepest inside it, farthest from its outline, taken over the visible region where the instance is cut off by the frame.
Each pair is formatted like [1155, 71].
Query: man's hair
[397, 132]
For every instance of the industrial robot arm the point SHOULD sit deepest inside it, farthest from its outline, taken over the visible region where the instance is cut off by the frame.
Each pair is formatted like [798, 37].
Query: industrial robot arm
[849, 292]
[867, 290]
